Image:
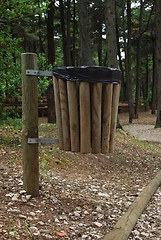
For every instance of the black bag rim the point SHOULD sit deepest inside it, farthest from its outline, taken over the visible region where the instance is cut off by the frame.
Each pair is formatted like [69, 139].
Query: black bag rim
[88, 74]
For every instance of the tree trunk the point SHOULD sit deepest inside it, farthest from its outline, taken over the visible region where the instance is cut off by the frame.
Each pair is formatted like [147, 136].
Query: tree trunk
[158, 60]
[123, 83]
[146, 85]
[68, 43]
[110, 21]
[51, 59]
[154, 85]
[51, 104]
[85, 57]
[50, 34]
[100, 45]
[40, 34]
[129, 77]
[138, 62]
[74, 34]
[63, 29]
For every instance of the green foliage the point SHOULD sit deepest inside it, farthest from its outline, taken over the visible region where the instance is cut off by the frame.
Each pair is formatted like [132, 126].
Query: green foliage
[43, 82]
[12, 123]
[22, 22]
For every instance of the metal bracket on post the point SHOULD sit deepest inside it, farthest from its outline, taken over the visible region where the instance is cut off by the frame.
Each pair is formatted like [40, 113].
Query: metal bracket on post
[30, 72]
[42, 140]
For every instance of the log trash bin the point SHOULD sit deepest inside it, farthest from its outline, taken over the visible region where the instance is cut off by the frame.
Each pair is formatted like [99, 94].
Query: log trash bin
[86, 100]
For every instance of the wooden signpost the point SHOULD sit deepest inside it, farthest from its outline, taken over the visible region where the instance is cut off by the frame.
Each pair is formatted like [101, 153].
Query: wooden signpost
[30, 125]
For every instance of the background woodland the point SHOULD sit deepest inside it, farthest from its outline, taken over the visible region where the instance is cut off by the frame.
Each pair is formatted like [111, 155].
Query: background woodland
[123, 34]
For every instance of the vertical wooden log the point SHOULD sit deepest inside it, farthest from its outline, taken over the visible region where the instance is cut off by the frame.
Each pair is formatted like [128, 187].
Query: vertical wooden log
[73, 115]
[85, 129]
[58, 112]
[115, 103]
[106, 119]
[30, 125]
[96, 116]
[64, 114]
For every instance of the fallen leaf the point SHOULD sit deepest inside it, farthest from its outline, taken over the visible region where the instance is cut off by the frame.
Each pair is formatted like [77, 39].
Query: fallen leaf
[60, 234]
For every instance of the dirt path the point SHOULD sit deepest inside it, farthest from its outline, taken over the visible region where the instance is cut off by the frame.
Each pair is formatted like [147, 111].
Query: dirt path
[142, 128]
[144, 132]
[81, 195]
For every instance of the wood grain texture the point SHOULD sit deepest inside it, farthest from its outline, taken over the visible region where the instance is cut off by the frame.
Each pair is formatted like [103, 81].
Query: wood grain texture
[30, 125]
[106, 119]
[73, 115]
[64, 114]
[125, 225]
[85, 123]
[96, 117]
[58, 112]
[114, 113]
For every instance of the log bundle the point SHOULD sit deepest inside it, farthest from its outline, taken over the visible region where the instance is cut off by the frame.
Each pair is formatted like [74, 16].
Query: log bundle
[86, 115]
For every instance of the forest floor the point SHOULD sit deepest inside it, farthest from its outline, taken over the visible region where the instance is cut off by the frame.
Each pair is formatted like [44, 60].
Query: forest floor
[82, 196]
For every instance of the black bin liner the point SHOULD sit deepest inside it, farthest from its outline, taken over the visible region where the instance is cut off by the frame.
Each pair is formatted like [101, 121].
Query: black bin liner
[88, 74]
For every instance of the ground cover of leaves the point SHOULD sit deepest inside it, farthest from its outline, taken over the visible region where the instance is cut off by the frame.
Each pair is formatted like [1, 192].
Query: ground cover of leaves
[82, 196]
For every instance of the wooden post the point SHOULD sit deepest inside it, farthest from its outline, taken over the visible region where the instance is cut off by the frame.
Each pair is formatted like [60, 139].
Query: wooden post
[64, 114]
[115, 103]
[85, 129]
[96, 116]
[30, 125]
[73, 115]
[58, 112]
[126, 224]
[106, 120]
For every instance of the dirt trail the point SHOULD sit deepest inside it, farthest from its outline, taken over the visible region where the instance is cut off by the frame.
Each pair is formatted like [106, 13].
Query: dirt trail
[144, 132]
[142, 128]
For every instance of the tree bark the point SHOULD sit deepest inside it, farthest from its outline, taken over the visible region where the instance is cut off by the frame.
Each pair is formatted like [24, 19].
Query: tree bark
[123, 83]
[51, 60]
[68, 43]
[63, 29]
[74, 34]
[51, 104]
[154, 85]
[50, 33]
[85, 58]
[138, 62]
[129, 76]
[110, 21]
[158, 61]
[40, 34]
[146, 85]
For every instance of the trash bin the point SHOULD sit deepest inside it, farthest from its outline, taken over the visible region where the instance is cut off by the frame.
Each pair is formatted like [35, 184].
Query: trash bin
[86, 100]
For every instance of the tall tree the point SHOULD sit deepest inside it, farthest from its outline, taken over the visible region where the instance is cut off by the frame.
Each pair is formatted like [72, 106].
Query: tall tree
[110, 21]
[124, 80]
[138, 61]
[154, 83]
[51, 60]
[123, 83]
[63, 30]
[50, 33]
[158, 60]
[68, 33]
[85, 57]
[128, 62]
[65, 17]
[74, 34]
